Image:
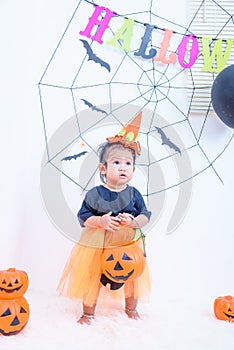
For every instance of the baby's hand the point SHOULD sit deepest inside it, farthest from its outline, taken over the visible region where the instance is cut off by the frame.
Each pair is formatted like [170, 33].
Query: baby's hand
[110, 223]
[125, 219]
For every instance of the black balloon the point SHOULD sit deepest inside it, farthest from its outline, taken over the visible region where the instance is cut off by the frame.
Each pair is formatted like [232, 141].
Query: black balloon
[222, 95]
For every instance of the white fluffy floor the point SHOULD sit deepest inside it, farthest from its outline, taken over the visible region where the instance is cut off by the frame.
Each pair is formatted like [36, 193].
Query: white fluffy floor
[165, 325]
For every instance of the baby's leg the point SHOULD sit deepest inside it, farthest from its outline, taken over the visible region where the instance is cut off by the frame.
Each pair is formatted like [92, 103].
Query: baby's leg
[88, 311]
[131, 301]
[88, 314]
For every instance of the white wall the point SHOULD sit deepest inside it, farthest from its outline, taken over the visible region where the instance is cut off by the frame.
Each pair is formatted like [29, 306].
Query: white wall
[200, 250]
[29, 33]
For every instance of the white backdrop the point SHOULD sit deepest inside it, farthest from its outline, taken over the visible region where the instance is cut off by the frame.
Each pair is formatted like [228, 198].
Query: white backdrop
[199, 254]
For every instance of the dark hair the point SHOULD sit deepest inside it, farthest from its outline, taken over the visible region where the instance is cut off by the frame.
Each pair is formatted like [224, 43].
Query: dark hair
[104, 150]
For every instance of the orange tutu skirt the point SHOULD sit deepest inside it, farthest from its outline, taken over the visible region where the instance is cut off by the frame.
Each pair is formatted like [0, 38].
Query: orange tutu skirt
[82, 273]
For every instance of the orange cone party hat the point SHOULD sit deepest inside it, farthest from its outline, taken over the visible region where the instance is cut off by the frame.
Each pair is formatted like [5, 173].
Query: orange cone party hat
[128, 135]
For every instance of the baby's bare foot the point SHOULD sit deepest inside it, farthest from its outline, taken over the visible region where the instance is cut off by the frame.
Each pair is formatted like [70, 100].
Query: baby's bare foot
[133, 314]
[86, 319]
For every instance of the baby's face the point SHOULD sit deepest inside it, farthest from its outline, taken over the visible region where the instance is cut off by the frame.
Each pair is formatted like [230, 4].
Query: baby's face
[119, 168]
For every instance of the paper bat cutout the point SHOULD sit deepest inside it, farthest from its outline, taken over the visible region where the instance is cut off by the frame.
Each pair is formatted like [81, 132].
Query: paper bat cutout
[75, 156]
[94, 108]
[93, 57]
[167, 141]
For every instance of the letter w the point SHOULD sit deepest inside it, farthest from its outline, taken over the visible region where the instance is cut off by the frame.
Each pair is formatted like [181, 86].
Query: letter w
[216, 53]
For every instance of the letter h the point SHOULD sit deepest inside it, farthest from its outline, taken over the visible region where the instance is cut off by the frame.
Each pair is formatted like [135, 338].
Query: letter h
[102, 23]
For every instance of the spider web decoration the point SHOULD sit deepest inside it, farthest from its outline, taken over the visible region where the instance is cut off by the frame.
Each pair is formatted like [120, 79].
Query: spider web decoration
[83, 102]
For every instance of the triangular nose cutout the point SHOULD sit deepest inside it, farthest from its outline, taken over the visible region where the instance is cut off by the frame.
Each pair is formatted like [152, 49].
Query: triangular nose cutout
[118, 267]
[15, 322]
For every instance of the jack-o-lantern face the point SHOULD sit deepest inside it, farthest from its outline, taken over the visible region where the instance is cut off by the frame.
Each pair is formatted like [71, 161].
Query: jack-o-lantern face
[14, 315]
[124, 263]
[13, 283]
[224, 308]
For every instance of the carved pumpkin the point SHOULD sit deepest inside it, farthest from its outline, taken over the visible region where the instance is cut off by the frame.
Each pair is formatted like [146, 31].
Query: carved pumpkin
[124, 263]
[224, 308]
[13, 283]
[14, 315]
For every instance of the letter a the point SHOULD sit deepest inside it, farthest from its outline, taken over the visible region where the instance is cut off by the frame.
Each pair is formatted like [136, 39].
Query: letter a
[102, 23]
[123, 35]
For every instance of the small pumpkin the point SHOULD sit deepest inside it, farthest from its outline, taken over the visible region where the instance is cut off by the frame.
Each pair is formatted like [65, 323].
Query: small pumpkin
[13, 283]
[123, 263]
[14, 315]
[224, 308]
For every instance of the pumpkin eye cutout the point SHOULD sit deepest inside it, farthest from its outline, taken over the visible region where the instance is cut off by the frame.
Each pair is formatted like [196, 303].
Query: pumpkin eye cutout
[229, 309]
[110, 258]
[4, 282]
[16, 281]
[22, 310]
[126, 257]
[6, 313]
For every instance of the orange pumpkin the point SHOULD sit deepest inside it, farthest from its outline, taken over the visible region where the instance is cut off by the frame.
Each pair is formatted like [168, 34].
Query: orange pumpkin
[124, 263]
[224, 308]
[14, 315]
[13, 283]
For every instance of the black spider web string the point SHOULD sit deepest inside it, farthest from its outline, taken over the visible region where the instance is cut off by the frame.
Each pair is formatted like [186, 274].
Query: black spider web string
[183, 114]
[152, 88]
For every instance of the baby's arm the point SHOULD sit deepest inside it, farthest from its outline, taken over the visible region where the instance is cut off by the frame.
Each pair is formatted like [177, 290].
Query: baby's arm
[142, 218]
[129, 220]
[106, 222]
